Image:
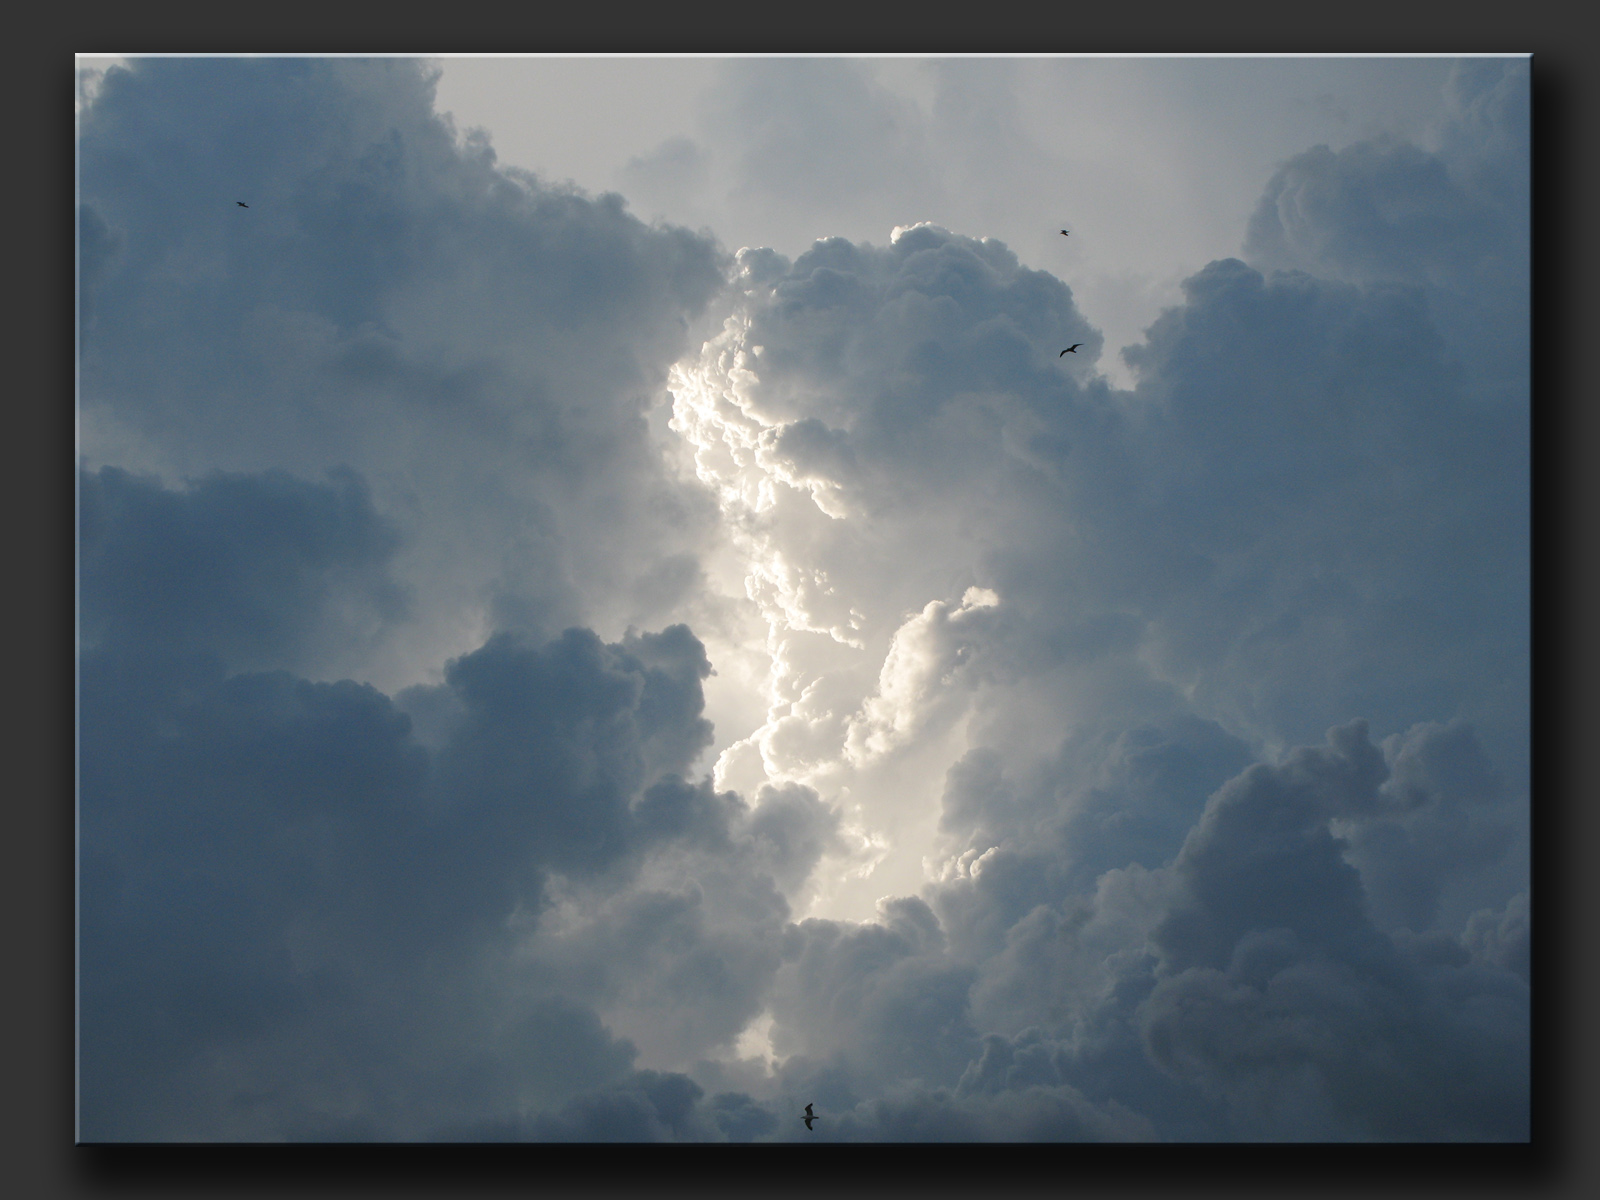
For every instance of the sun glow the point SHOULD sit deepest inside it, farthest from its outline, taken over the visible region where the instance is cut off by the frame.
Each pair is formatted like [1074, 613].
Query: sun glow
[857, 704]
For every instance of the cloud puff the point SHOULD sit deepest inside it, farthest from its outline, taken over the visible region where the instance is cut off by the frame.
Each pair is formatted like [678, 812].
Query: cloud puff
[1248, 967]
[1453, 222]
[1279, 994]
[917, 672]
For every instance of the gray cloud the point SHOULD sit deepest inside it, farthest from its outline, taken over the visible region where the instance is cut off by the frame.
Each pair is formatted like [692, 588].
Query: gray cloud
[1279, 520]
[1453, 222]
[1283, 508]
[261, 570]
[820, 141]
[1249, 968]
[1281, 996]
[275, 869]
[878, 998]
[484, 350]
[393, 815]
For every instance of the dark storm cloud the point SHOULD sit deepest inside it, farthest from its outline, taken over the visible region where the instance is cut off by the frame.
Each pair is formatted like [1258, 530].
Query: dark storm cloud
[1242, 991]
[501, 906]
[593, 724]
[260, 570]
[1026, 1113]
[1279, 994]
[296, 894]
[482, 348]
[1104, 800]
[1454, 223]
[651, 1108]
[645, 1106]
[1445, 817]
[879, 997]
[1263, 845]
[1321, 468]
[293, 912]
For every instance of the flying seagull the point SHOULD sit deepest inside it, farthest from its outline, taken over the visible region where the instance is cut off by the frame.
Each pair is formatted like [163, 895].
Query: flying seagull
[1064, 233]
[1072, 349]
[810, 1117]
[241, 204]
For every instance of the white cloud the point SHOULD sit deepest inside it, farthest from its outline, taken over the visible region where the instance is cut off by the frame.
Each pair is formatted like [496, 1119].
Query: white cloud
[918, 675]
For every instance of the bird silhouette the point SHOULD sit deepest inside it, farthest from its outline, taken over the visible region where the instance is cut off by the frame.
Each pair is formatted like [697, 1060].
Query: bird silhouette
[1064, 233]
[1072, 349]
[810, 1117]
[241, 204]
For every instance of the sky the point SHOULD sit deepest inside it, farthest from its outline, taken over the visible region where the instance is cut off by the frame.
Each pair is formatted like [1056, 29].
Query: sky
[605, 612]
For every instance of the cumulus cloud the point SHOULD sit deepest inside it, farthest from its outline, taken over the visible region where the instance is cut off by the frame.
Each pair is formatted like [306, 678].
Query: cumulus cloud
[917, 674]
[1277, 992]
[1250, 969]
[1453, 222]
[484, 350]
[282, 885]
[1263, 527]
[299, 920]
[501, 720]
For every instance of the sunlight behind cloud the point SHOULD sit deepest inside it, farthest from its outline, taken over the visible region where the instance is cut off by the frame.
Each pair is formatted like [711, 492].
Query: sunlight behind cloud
[546, 677]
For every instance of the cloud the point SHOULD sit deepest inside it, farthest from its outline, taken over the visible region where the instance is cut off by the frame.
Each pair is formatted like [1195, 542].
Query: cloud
[1502, 939]
[877, 997]
[1447, 819]
[923, 658]
[1248, 967]
[1322, 428]
[261, 570]
[1280, 996]
[1239, 991]
[483, 350]
[281, 884]
[1287, 507]
[1019, 1114]
[1453, 222]
[1103, 800]
[1270, 530]
[1090, 763]
[820, 140]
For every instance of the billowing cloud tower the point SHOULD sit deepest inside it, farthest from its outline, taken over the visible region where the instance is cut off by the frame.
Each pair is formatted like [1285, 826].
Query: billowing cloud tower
[545, 677]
